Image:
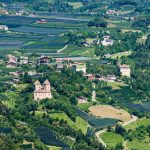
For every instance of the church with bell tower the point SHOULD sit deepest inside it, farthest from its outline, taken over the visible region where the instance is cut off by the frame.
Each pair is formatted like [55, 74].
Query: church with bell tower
[42, 91]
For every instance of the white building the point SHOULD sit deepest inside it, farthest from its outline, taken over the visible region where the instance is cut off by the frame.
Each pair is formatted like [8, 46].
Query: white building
[24, 60]
[107, 41]
[81, 67]
[125, 70]
[3, 27]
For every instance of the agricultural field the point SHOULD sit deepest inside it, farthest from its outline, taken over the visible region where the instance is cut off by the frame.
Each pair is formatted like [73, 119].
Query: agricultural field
[118, 55]
[85, 106]
[124, 96]
[116, 85]
[9, 99]
[82, 51]
[106, 111]
[111, 139]
[38, 33]
[49, 137]
[97, 122]
[79, 124]
[76, 5]
[138, 145]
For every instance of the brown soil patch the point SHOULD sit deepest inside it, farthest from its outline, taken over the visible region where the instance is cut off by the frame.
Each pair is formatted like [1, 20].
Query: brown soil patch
[106, 111]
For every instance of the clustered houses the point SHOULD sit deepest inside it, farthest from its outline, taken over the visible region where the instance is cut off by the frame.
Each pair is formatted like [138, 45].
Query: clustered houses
[113, 12]
[108, 78]
[42, 91]
[4, 27]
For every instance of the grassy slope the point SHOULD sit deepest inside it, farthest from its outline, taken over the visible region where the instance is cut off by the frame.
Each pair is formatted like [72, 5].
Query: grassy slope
[79, 124]
[76, 5]
[138, 145]
[84, 51]
[139, 122]
[111, 139]
[85, 106]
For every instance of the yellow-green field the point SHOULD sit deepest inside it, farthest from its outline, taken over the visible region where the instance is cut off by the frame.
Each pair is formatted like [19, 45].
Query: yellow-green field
[143, 121]
[80, 124]
[76, 5]
[118, 55]
[111, 139]
[138, 145]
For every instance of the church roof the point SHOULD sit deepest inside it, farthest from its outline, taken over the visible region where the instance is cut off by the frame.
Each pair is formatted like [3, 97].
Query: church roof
[37, 82]
[46, 82]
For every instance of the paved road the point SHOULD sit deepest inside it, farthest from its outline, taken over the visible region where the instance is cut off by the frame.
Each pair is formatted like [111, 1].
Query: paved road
[98, 136]
[98, 133]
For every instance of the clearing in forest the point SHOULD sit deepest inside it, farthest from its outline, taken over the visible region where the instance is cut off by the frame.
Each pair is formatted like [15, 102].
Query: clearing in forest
[106, 111]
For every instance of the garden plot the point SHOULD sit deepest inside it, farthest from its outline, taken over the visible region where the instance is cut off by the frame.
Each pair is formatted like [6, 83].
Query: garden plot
[106, 111]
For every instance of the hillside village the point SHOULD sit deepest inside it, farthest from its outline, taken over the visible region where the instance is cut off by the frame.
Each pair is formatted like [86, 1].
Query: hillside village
[74, 75]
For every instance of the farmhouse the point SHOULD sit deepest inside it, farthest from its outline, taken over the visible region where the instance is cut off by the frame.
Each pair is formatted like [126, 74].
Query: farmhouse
[12, 62]
[107, 41]
[16, 80]
[125, 70]
[44, 60]
[3, 27]
[110, 78]
[4, 12]
[90, 76]
[42, 91]
[42, 21]
[99, 77]
[82, 99]
[23, 60]
[59, 67]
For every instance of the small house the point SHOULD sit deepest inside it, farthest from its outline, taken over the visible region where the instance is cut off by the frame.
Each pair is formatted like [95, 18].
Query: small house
[44, 60]
[125, 70]
[4, 27]
[82, 99]
[110, 78]
[24, 60]
[81, 67]
[59, 67]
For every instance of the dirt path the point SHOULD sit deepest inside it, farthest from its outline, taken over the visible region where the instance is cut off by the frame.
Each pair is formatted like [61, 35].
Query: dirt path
[60, 50]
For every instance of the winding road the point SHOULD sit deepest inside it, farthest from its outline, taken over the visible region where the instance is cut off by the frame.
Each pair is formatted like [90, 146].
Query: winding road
[98, 133]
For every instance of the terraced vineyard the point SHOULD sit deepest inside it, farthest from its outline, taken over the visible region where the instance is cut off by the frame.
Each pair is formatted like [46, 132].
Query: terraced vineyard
[49, 137]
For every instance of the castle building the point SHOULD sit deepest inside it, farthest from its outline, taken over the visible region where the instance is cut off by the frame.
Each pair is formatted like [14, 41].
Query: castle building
[42, 91]
[125, 70]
